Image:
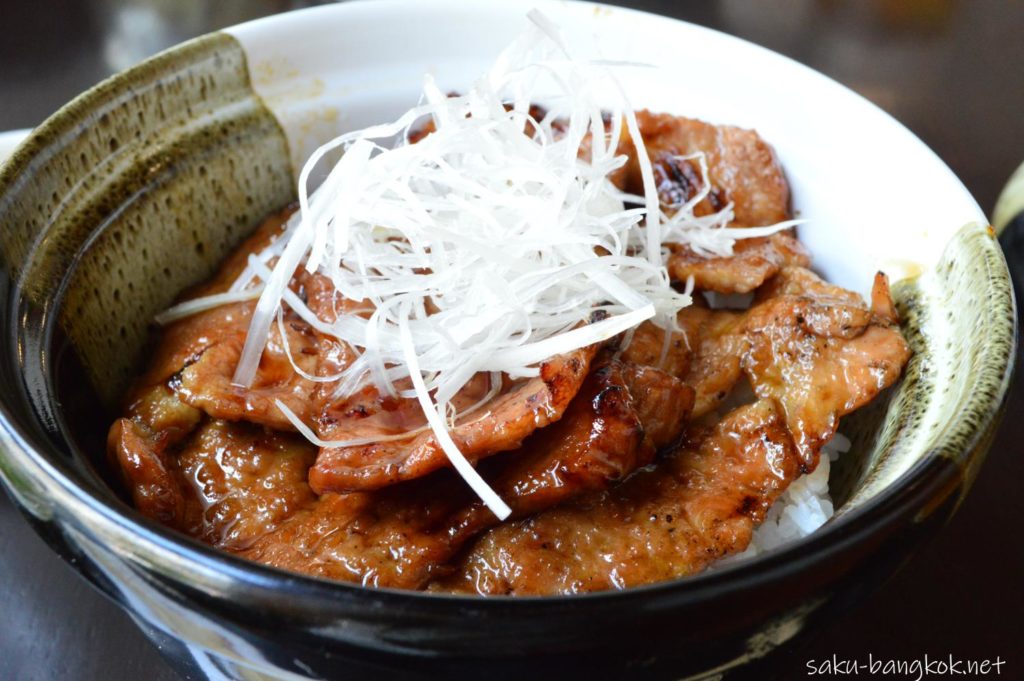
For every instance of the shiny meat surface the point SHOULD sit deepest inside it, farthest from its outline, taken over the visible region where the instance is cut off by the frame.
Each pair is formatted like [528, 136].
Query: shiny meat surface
[662, 401]
[599, 439]
[147, 472]
[705, 353]
[141, 449]
[717, 350]
[205, 378]
[197, 355]
[225, 483]
[499, 426]
[247, 481]
[622, 415]
[742, 168]
[648, 347]
[821, 353]
[405, 535]
[616, 460]
[816, 348]
[753, 262]
[700, 503]
[388, 539]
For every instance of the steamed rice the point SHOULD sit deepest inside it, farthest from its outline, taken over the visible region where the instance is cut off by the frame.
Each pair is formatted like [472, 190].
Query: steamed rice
[802, 508]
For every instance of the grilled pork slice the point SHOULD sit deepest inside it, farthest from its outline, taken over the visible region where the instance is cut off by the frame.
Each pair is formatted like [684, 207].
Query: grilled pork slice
[704, 353]
[716, 351]
[662, 401]
[405, 535]
[500, 425]
[647, 347]
[821, 352]
[247, 481]
[197, 355]
[815, 348]
[621, 417]
[212, 343]
[225, 483]
[697, 504]
[742, 168]
[752, 263]
[141, 449]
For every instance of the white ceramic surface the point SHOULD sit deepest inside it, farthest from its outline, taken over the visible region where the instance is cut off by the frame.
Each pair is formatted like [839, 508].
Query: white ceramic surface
[875, 195]
[9, 141]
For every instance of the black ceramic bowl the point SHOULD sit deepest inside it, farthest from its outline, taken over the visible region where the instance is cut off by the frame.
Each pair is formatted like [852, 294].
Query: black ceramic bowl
[138, 188]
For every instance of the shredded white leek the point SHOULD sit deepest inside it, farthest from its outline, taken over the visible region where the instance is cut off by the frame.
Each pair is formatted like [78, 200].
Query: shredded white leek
[708, 235]
[487, 246]
[204, 303]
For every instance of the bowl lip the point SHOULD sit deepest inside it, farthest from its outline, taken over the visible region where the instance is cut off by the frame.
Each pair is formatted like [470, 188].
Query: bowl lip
[909, 492]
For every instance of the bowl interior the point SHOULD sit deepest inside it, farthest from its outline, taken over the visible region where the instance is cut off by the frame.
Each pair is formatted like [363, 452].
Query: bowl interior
[138, 188]
[863, 213]
[874, 196]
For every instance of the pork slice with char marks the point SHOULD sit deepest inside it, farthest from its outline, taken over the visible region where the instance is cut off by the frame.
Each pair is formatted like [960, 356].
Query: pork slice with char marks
[405, 535]
[816, 348]
[704, 353]
[717, 349]
[222, 482]
[500, 425]
[742, 169]
[647, 347]
[205, 379]
[752, 263]
[699, 503]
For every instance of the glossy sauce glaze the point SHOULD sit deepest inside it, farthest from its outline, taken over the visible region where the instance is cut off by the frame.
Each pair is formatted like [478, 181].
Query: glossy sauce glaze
[617, 461]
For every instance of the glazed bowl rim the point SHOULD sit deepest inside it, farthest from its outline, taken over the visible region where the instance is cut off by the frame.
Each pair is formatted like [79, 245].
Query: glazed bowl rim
[907, 494]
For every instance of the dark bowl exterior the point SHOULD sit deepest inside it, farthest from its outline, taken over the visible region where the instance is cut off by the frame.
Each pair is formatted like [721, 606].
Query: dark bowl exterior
[134, 191]
[214, 615]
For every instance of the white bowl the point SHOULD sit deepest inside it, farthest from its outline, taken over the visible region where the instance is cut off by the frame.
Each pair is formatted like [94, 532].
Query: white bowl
[875, 196]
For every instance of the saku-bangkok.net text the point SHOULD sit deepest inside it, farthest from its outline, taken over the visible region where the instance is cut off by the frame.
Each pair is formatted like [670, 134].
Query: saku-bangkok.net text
[915, 669]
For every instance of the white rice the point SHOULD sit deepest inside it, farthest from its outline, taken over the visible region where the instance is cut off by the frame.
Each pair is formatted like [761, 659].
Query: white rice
[802, 508]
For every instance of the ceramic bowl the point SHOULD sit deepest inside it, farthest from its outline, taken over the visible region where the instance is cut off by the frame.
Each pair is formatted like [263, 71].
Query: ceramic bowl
[136, 189]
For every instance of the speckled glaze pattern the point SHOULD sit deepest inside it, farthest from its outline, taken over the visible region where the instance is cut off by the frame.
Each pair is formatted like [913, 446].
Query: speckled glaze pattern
[959, 319]
[135, 190]
[140, 187]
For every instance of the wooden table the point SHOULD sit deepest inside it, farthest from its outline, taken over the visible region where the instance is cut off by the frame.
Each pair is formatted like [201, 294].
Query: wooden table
[952, 71]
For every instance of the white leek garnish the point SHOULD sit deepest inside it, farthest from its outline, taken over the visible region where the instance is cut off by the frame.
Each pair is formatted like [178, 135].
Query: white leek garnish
[707, 235]
[488, 245]
[204, 303]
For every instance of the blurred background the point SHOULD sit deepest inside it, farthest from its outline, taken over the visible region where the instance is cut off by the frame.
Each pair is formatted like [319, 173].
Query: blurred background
[950, 70]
